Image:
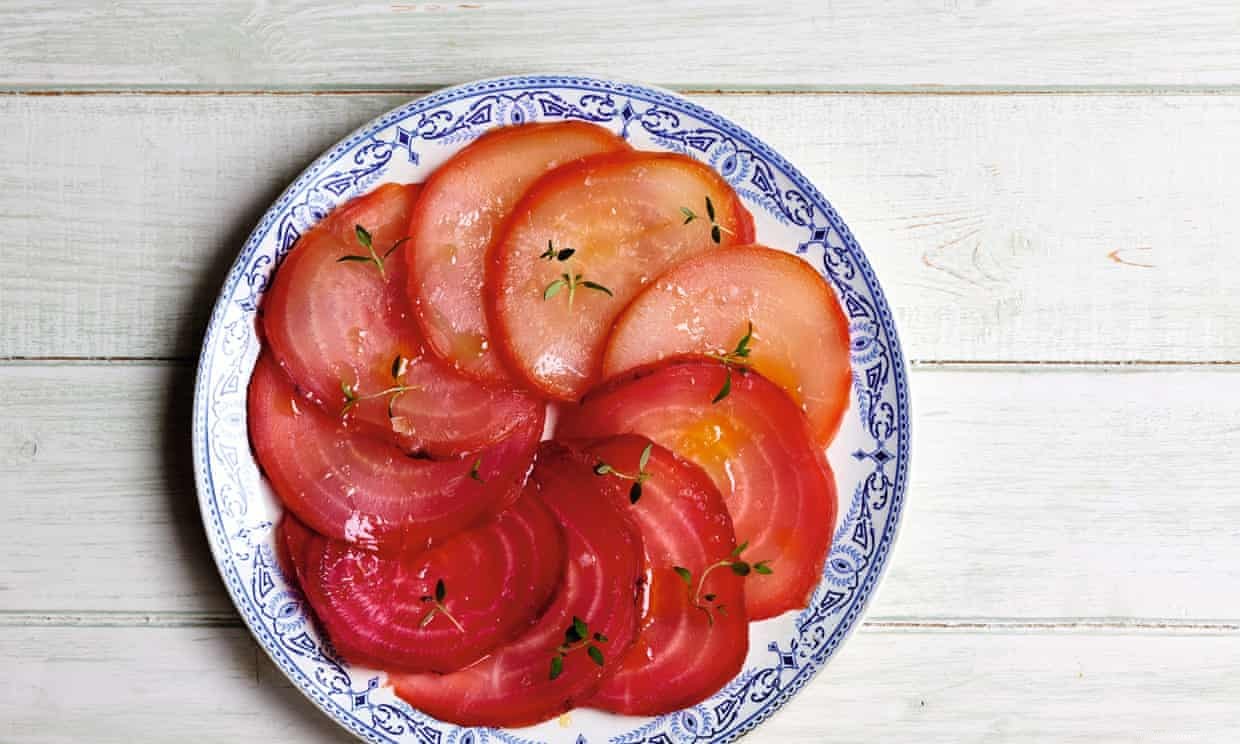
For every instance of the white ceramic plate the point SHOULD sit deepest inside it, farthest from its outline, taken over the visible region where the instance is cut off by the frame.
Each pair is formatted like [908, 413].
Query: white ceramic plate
[870, 455]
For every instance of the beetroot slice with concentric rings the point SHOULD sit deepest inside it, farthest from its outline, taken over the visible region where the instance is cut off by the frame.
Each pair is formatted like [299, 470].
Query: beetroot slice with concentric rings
[366, 491]
[621, 216]
[757, 447]
[461, 207]
[522, 683]
[434, 610]
[335, 318]
[694, 632]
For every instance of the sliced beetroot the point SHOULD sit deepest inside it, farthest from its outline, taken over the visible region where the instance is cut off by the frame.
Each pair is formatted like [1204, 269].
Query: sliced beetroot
[333, 323]
[705, 305]
[757, 447]
[454, 220]
[434, 610]
[365, 491]
[522, 683]
[621, 216]
[694, 632]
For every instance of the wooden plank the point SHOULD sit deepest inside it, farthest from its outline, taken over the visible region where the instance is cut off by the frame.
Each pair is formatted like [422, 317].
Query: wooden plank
[1070, 228]
[83, 684]
[731, 43]
[1036, 493]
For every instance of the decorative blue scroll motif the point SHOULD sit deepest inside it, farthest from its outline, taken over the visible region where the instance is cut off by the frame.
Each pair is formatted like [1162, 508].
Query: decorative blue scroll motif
[450, 126]
[321, 197]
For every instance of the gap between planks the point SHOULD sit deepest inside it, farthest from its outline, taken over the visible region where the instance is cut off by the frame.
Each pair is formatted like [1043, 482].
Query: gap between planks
[1108, 626]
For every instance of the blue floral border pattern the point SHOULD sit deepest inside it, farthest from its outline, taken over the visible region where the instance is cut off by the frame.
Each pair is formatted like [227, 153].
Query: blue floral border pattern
[240, 532]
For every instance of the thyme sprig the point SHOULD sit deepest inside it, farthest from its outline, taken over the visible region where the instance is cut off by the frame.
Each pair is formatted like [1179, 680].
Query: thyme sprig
[716, 229]
[441, 591]
[569, 280]
[400, 365]
[572, 281]
[366, 241]
[736, 359]
[708, 603]
[638, 478]
[577, 636]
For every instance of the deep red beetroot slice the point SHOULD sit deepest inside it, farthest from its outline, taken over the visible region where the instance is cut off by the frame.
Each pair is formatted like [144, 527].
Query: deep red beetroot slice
[383, 612]
[464, 202]
[291, 539]
[755, 444]
[365, 491]
[332, 323]
[514, 686]
[694, 635]
[621, 215]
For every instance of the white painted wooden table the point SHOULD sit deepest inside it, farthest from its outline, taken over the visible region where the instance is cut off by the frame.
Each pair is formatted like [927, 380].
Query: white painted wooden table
[1050, 192]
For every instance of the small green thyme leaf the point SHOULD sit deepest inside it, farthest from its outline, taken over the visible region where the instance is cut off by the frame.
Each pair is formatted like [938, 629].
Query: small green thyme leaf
[440, 590]
[565, 253]
[740, 568]
[400, 366]
[645, 458]
[597, 287]
[600, 638]
[716, 234]
[557, 666]
[580, 626]
[635, 492]
[762, 568]
[595, 654]
[363, 236]
[685, 574]
[554, 288]
[725, 390]
[710, 210]
[349, 393]
[549, 253]
[395, 245]
[742, 346]
[473, 470]
[740, 549]
[602, 469]
[342, 259]
[689, 214]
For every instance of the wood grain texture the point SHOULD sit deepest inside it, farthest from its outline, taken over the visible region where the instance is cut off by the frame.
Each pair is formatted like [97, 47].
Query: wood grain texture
[68, 685]
[726, 43]
[1017, 228]
[1037, 492]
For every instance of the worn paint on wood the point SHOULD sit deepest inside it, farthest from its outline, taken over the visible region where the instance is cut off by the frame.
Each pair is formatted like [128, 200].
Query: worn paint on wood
[994, 222]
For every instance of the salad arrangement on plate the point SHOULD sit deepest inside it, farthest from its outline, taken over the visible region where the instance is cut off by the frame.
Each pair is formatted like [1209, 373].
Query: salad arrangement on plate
[549, 427]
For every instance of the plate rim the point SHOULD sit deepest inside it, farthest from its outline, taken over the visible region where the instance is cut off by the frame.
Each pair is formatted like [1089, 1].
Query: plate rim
[204, 486]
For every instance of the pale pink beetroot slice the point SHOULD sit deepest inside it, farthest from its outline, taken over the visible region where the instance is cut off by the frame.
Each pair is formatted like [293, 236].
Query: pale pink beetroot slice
[334, 323]
[461, 206]
[534, 678]
[694, 632]
[621, 216]
[365, 491]
[757, 447]
[705, 306]
[439, 609]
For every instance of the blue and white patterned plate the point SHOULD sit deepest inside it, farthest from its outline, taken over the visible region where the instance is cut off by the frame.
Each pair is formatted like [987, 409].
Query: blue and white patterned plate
[870, 455]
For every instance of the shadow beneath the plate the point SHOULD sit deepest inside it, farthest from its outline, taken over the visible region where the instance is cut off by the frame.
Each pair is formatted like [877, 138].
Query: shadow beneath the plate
[177, 467]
